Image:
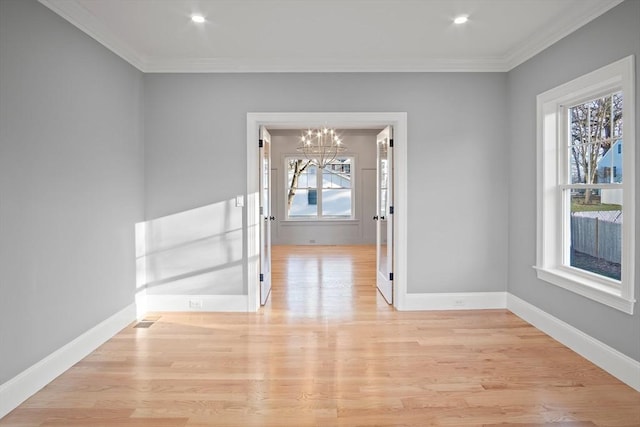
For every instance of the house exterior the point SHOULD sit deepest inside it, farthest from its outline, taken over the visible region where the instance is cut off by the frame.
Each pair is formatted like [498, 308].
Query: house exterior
[610, 170]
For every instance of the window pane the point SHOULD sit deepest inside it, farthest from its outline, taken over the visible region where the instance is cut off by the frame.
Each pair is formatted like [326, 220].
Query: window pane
[336, 184]
[595, 140]
[301, 174]
[596, 231]
[336, 202]
[301, 203]
[301, 188]
[337, 174]
[578, 155]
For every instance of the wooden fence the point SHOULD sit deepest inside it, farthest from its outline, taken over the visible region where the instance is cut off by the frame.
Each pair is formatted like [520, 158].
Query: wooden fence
[598, 238]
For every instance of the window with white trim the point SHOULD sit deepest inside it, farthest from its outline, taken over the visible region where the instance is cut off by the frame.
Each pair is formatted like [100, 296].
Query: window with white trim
[315, 193]
[586, 178]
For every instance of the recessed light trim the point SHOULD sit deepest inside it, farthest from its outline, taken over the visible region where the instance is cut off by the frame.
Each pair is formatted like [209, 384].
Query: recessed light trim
[199, 19]
[461, 19]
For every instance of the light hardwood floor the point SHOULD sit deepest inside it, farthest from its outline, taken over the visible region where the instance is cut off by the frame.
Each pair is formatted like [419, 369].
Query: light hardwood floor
[328, 351]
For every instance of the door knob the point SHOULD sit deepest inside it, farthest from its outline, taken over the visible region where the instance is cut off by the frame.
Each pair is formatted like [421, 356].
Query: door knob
[272, 218]
[375, 218]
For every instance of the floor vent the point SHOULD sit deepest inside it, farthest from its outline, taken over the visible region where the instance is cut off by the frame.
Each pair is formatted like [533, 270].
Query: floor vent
[147, 322]
[144, 324]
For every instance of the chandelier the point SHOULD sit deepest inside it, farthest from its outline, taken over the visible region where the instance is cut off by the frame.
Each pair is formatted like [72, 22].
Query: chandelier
[321, 146]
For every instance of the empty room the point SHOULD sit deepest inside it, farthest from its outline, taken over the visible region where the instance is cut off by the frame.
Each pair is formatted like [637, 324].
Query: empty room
[319, 213]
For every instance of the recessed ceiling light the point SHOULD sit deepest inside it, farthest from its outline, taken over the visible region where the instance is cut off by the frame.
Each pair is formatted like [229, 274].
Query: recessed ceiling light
[461, 19]
[197, 18]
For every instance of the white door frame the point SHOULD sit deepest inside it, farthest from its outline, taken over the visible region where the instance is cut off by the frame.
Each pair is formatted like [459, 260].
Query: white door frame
[336, 120]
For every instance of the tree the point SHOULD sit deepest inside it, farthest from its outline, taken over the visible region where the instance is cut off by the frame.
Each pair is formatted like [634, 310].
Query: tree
[595, 126]
[297, 166]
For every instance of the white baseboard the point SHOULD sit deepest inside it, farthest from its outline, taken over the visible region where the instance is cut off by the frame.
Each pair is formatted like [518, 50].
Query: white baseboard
[28, 382]
[455, 301]
[235, 303]
[611, 360]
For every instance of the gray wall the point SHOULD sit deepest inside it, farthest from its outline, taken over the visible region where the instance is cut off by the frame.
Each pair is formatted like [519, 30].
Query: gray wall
[70, 183]
[610, 37]
[361, 230]
[195, 148]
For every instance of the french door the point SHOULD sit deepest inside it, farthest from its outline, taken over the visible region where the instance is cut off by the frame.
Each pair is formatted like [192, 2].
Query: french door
[265, 215]
[384, 214]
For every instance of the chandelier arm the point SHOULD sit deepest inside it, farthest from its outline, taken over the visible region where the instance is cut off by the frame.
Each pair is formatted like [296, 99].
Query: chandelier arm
[320, 146]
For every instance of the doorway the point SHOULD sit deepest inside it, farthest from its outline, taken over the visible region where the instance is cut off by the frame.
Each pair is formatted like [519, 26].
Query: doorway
[254, 217]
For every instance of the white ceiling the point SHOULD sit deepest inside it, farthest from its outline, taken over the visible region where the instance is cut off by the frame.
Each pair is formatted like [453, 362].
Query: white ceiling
[327, 35]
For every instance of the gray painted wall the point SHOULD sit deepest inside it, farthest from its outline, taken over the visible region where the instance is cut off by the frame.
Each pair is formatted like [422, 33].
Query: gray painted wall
[362, 145]
[70, 183]
[610, 37]
[195, 152]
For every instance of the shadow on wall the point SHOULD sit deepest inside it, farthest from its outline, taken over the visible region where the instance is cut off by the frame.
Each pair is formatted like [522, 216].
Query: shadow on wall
[195, 252]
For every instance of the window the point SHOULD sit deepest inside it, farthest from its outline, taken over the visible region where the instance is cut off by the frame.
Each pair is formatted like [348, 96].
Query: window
[586, 202]
[314, 193]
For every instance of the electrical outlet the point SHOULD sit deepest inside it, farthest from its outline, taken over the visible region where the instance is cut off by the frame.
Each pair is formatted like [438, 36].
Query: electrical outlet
[458, 302]
[312, 241]
[195, 303]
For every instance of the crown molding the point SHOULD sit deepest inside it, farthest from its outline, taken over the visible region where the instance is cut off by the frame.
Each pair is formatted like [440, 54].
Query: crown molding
[556, 32]
[75, 13]
[323, 65]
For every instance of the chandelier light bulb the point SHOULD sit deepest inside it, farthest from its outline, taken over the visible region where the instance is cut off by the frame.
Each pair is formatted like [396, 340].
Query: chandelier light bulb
[321, 146]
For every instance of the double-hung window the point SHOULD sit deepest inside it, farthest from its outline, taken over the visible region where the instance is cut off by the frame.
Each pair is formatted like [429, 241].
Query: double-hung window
[586, 177]
[319, 193]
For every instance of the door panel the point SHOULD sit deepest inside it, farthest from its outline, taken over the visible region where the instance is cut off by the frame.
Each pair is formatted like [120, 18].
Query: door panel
[265, 215]
[368, 205]
[384, 214]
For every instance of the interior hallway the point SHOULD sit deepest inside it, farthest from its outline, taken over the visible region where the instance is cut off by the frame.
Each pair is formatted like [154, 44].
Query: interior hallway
[327, 350]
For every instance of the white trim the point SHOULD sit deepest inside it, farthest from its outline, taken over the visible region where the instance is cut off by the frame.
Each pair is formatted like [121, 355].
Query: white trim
[591, 289]
[300, 120]
[552, 229]
[141, 233]
[28, 382]
[75, 13]
[455, 301]
[611, 360]
[554, 33]
[325, 221]
[210, 303]
[325, 65]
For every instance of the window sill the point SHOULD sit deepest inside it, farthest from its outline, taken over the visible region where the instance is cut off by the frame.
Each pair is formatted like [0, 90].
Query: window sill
[589, 288]
[316, 221]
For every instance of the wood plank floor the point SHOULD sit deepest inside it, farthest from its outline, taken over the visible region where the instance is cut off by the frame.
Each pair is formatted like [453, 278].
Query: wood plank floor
[328, 351]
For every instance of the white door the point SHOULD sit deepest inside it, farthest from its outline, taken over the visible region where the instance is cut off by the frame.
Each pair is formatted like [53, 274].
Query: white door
[384, 214]
[368, 202]
[265, 215]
